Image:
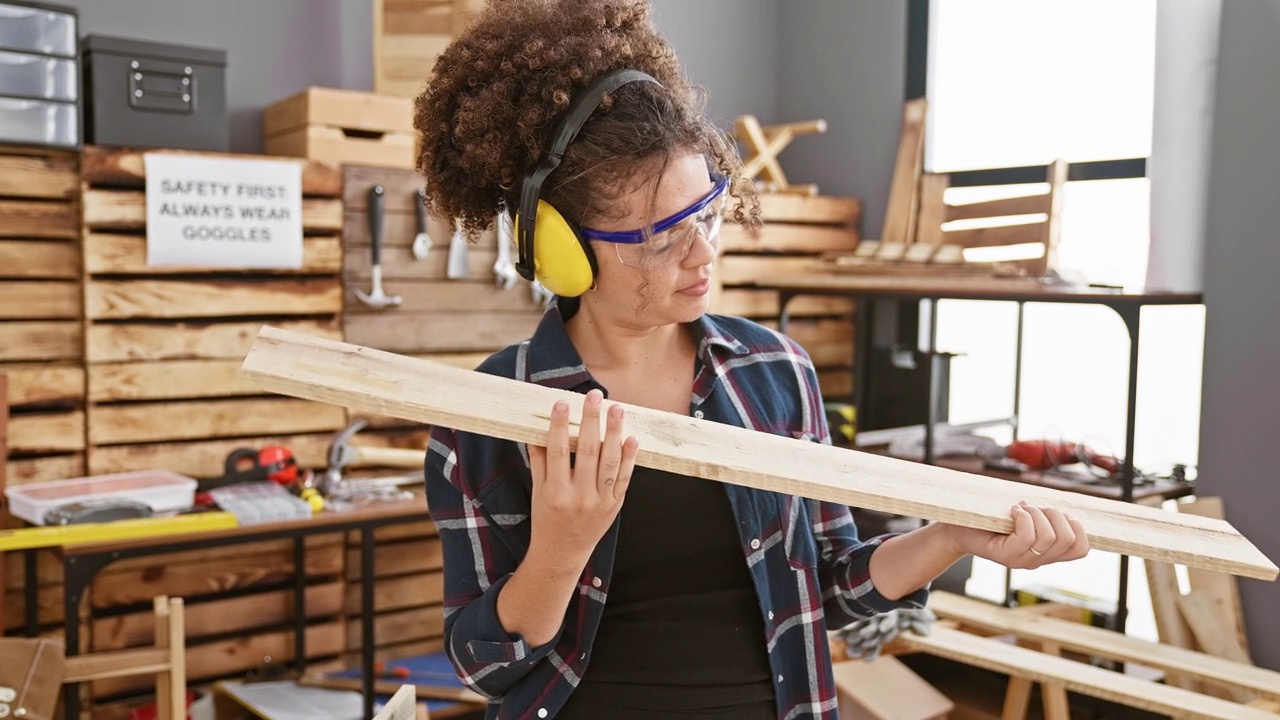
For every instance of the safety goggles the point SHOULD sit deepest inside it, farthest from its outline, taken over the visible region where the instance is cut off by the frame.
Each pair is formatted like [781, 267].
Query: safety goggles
[670, 240]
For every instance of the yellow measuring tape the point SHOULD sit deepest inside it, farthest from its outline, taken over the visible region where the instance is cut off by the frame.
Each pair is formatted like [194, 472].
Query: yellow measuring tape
[55, 535]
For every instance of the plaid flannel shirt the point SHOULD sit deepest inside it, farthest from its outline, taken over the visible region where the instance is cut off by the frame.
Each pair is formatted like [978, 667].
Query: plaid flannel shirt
[810, 570]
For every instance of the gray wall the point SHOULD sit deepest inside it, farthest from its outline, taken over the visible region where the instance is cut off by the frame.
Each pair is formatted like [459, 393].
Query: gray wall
[844, 61]
[278, 48]
[274, 49]
[1241, 410]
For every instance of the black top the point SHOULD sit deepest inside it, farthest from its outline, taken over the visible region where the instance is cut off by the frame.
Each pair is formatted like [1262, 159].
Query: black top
[682, 632]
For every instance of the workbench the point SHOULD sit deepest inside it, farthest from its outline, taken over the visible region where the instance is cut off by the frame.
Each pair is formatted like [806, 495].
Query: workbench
[82, 563]
[866, 289]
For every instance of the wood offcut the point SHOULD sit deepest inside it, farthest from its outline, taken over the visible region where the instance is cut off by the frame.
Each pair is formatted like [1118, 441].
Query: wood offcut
[386, 384]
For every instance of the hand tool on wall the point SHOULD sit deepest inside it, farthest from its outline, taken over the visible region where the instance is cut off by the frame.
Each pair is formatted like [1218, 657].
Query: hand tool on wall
[504, 271]
[421, 241]
[377, 298]
[540, 294]
[457, 268]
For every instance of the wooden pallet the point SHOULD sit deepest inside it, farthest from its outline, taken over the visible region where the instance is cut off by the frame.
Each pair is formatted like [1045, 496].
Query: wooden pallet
[162, 343]
[798, 229]
[41, 313]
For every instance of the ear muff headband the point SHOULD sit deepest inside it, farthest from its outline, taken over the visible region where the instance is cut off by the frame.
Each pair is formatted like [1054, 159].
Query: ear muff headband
[562, 259]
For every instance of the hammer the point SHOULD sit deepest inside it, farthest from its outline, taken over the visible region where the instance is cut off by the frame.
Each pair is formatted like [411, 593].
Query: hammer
[377, 299]
[343, 454]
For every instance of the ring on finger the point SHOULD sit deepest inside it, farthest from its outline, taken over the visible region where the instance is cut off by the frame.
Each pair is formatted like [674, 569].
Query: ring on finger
[1036, 552]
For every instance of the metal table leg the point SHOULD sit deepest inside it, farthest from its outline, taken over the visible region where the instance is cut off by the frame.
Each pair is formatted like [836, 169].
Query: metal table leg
[300, 604]
[31, 592]
[366, 619]
[1132, 317]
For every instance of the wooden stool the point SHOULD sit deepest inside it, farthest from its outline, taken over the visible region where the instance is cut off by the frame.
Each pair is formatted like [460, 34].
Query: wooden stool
[764, 144]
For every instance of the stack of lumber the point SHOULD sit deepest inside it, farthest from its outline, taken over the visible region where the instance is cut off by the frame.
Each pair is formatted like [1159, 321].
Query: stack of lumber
[407, 37]
[163, 343]
[41, 325]
[797, 230]
[460, 322]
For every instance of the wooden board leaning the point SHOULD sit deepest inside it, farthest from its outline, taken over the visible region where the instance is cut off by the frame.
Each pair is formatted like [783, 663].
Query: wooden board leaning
[388, 384]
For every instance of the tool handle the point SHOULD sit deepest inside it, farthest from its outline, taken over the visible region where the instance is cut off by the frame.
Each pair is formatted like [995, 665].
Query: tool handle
[377, 196]
[420, 209]
[389, 457]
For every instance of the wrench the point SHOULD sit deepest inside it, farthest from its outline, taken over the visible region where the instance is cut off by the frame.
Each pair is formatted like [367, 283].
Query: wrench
[457, 267]
[504, 271]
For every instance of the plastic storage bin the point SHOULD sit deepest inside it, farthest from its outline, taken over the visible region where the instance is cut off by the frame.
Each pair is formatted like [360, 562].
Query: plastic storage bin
[39, 122]
[164, 491]
[32, 27]
[39, 76]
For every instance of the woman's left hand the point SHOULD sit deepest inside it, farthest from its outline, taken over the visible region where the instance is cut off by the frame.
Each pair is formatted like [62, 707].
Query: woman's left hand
[1041, 535]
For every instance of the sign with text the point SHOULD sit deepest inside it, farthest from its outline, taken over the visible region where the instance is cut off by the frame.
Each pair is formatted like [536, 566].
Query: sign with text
[223, 212]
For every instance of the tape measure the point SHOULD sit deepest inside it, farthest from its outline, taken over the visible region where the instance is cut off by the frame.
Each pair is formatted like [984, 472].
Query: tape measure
[56, 535]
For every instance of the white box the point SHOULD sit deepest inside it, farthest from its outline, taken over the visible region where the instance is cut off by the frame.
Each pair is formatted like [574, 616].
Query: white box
[164, 491]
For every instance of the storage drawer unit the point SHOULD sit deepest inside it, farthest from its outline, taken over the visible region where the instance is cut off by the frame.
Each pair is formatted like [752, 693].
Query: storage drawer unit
[146, 94]
[38, 28]
[39, 75]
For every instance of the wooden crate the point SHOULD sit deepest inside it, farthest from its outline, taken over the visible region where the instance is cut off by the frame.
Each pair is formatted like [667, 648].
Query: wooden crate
[408, 35]
[342, 127]
[41, 313]
[163, 344]
[797, 229]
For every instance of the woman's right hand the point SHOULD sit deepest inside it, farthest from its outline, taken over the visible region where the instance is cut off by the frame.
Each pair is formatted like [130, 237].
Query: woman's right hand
[573, 506]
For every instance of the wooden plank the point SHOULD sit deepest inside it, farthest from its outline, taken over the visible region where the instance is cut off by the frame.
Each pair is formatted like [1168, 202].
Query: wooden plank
[52, 177]
[820, 209]
[35, 259]
[1078, 677]
[400, 593]
[127, 210]
[220, 617]
[126, 168]
[441, 332]
[106, 253]
[203, 458]
[129, 299]
[47, 340]
[1105, 643]
[184, 341]
[886, 689]
[160, 421]
[227, 570]
[53, 467]
[1024, 205]
[836, 384]
[904, 191]
[1210, 627]
[479, 298]
[788, 238]
[38, 219]
[61, 432]
[748, 303]
[417, 23]
[400, 227]
[1221, 590]
[418, 555]
[828, 342]
[101, 665]
[39, 300]
[933, 212]
[333, 145]
[44, 383]
[349, 109]
[400, 625]
[759, 269]
[344, 374]
[238, 656]
[996, 236]
[167, 380]
[401, 192]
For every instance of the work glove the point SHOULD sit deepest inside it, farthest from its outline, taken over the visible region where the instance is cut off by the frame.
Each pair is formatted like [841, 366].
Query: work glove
[865, 638]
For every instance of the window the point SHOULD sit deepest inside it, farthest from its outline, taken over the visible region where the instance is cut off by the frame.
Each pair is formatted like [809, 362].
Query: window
[1013, 84]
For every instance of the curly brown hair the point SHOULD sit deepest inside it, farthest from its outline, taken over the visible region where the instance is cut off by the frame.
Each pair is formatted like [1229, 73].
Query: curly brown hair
[496, 93]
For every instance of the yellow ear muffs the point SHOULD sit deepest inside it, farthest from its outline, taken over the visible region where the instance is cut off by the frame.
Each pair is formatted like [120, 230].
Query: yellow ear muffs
[563, 261]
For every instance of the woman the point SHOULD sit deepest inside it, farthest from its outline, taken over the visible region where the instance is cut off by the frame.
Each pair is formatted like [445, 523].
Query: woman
[581, 586]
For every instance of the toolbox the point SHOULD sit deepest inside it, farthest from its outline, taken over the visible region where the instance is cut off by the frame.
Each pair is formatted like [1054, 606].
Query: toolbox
[39, 75]
[162, 490]
[342, 127]
[148, 94]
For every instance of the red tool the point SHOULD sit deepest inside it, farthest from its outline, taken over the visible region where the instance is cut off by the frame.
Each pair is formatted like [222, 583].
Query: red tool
[1045, 454]
[273, 462]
